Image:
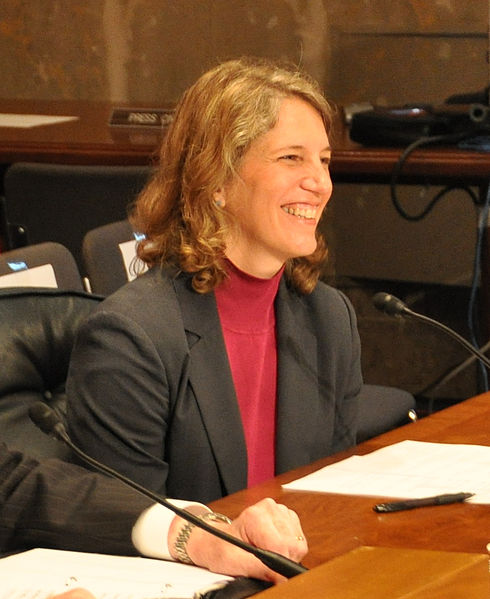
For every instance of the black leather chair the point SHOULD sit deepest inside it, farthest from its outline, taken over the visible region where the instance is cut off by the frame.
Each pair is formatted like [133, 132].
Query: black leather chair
[61, 202]
[37, 331]
[27, 266]
[105, 266]
[382, 409]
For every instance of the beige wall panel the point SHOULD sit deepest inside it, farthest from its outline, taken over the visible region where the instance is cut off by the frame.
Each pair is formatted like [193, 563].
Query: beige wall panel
[371, 240]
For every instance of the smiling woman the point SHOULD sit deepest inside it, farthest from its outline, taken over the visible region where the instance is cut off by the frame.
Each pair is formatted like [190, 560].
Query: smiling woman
[279, 193]
[225, 119]
[227, 362]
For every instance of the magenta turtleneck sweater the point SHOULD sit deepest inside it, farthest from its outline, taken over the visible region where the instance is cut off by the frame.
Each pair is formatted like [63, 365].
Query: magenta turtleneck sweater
[246, 311]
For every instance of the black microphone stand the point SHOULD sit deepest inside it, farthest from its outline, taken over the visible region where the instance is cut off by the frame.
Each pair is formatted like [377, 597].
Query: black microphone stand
[393, 306]
[47, 420]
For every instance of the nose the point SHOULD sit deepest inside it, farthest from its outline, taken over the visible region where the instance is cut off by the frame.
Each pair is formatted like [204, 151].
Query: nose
[318, 180]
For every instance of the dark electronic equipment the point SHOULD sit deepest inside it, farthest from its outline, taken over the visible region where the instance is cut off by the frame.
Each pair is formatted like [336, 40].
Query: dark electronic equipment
[403, 125]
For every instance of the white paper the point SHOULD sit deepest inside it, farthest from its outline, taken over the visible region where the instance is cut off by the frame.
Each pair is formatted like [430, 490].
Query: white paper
[27, 121]
[409, 469]
[132, 264]
[38, 276]
[38, 573]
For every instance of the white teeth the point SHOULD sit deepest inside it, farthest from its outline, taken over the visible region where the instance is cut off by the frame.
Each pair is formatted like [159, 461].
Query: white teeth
[301, 212]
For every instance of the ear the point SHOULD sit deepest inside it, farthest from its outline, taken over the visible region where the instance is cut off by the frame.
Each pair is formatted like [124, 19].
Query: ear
[219, 198]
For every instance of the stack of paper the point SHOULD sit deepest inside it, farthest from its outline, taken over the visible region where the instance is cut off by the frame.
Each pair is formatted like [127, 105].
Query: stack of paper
[409, 469]
[27, 121]
[39, 573]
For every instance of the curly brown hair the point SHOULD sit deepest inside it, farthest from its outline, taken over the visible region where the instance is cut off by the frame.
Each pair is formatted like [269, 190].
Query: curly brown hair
[214, 123]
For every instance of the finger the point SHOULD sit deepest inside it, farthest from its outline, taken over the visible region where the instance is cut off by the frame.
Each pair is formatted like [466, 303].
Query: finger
[273, 526]
[75, 594]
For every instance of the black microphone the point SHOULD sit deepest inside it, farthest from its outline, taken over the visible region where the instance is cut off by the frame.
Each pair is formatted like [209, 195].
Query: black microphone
[395, 307]
[48, 421]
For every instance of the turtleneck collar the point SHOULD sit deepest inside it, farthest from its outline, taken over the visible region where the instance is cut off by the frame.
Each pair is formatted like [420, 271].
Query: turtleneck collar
[244, 301]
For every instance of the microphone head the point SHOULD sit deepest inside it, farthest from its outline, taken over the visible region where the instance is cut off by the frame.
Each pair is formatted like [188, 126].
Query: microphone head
[44, 418]
[389, 304]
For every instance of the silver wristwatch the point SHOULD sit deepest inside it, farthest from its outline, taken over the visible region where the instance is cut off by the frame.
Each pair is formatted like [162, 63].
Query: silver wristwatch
[180, 546]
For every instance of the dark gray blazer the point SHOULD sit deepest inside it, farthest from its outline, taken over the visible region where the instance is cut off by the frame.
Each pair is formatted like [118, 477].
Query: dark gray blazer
[60, 505]
[150, 390]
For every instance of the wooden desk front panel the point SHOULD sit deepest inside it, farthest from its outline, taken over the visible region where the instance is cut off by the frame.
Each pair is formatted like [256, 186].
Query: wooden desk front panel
[380, 573]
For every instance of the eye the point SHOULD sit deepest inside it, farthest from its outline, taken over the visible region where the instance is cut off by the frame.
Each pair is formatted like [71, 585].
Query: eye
[291, 157]
[325, 160]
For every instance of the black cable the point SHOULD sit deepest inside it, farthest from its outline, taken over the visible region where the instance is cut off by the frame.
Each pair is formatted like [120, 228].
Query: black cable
[397, 169]
[451, 138]
[472, 305]
[438, 196]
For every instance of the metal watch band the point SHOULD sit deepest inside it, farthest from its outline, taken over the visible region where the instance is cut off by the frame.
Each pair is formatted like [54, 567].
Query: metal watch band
[180, 546]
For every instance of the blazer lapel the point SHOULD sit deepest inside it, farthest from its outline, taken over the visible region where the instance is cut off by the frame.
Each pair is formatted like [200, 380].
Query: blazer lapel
[212, 383]
[297, 385]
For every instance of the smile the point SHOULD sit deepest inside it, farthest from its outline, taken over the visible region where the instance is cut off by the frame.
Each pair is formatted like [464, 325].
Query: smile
[308, 213]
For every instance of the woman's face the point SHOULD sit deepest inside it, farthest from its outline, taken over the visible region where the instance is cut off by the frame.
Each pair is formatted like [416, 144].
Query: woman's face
[282, 187]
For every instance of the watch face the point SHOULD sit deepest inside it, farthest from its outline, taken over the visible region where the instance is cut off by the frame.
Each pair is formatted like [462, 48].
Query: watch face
[215, 517]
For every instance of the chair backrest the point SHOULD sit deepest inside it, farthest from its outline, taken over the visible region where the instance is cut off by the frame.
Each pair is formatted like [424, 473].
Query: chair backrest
[382, 409]
[42, 265]
[37, 332]
[109, 257]
[59, 202]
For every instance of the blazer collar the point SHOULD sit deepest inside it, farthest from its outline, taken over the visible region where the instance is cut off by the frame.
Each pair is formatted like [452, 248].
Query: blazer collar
[297, 385]
[212, 384]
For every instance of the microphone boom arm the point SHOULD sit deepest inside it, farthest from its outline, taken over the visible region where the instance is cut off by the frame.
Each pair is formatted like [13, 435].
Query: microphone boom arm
[391, 305]
[47, 420]
[438, 325]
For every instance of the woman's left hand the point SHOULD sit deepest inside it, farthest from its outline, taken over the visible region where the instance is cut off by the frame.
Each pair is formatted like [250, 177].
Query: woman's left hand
[266, 524]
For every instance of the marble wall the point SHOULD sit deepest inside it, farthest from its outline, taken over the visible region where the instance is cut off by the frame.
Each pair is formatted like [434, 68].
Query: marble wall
[384, 51]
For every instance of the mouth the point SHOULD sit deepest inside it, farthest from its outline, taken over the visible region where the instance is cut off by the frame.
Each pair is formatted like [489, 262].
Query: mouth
[303, 212]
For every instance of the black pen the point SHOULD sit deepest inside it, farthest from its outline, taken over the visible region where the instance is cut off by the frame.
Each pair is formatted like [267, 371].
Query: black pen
[410, 504]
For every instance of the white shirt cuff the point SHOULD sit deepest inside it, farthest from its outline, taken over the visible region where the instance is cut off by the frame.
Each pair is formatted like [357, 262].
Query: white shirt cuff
[150, 532]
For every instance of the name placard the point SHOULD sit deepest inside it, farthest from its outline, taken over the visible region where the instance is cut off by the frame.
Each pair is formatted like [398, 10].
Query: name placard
[141, 117]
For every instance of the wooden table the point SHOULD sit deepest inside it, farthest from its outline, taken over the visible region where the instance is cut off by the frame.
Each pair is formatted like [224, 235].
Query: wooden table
[335, 524]
[91, 140]
[88, 140]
